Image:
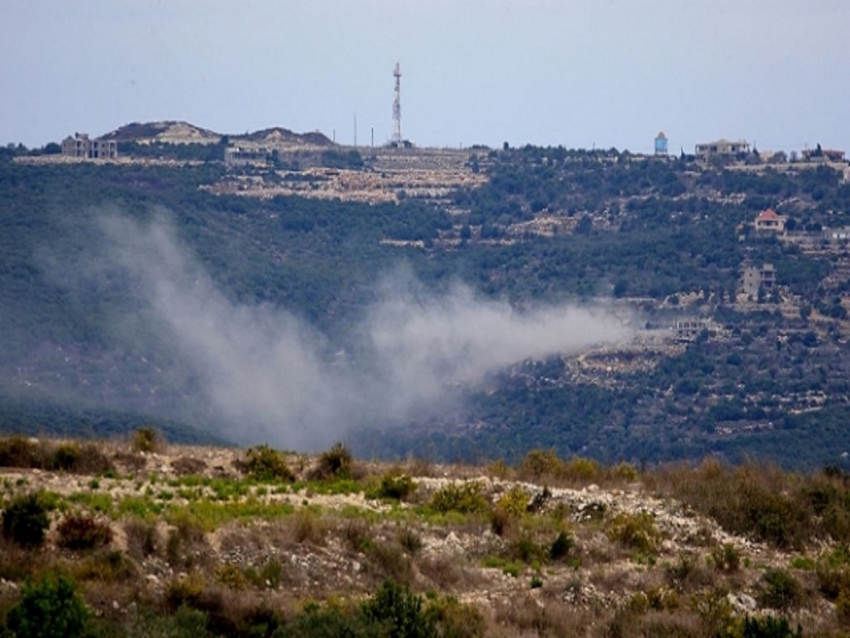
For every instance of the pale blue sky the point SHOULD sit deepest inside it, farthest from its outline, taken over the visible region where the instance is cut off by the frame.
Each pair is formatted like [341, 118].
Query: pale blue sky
[571, 72]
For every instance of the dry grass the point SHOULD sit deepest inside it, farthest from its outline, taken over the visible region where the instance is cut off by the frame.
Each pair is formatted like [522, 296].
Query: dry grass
[618, 573]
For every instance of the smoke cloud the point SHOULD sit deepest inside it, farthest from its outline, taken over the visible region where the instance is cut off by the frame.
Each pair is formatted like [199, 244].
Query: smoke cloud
[271, 377]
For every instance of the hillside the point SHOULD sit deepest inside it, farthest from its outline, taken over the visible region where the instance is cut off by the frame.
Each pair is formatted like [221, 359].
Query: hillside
[182, 133]
[181, 293]
[257, 542]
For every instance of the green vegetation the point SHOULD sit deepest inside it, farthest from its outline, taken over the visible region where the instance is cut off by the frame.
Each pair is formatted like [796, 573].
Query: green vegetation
[264, 463]
[49, 608]
[625, 226]
[25, 520]
[232, 555]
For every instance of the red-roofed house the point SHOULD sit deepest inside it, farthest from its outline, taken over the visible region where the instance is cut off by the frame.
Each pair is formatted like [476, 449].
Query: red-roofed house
[769, 221]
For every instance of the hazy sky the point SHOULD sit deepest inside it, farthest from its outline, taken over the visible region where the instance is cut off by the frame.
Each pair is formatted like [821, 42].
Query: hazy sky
[571, 72]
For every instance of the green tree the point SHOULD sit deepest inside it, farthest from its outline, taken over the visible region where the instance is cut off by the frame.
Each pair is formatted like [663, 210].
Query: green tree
[49, 608]
[400, 610]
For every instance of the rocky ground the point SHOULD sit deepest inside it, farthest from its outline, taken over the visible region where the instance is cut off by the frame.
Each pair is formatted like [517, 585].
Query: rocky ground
[182, 516]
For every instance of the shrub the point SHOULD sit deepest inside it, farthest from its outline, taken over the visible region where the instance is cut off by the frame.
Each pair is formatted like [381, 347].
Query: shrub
[231, 576]
[318, 622]
[25, 520]
[526, 550]
[307, 528]
[726, 557]
[269, 574]
[396, 486]
[636, 531]
[105, 566]
[85, 459]
[334, 463]
[49, 608]
[409, 540]
[514, 502]
[581, 469]
[780, 590]
[187, 535]
[389, 561]
[842, 606]
[769, 627]
[142, 538]
[184, 623]
[540, 463]
[80, 532]
[17, 451]
[465, 498]
[509, 508]
[357, 534]
[561, 546]
[267, 464]
[401, 611]
[147, 439]
[66, 457]
[187, 591]
[454, 619]
[92, 461]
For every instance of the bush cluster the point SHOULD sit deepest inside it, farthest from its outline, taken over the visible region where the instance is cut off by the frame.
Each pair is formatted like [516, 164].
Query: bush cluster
[25, 520]
[636, 531]
[333, 464]
[148, 439]
[82, 532]
[49, 608]
[396, 486]
[464, 498]
[264, 463]
[788, 511]
[17, 451]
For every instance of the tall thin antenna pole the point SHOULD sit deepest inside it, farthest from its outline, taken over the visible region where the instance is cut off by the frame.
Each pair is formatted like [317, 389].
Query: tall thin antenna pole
[397, 139]
[355, 130]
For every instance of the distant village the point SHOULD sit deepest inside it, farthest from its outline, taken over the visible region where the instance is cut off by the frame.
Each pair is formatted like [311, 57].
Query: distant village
[250, 153]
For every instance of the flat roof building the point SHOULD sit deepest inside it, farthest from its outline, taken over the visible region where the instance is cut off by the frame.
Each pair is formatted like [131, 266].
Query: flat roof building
[81, 145]
[237, 156]
[722, 148]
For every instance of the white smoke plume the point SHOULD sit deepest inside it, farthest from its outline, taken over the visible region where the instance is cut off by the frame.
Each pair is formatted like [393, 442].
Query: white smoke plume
[274, 378]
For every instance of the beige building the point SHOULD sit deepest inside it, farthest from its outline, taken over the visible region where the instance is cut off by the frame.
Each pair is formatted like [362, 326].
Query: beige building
[722, 148]
[238, 156]
[754, 279]
[81, 145]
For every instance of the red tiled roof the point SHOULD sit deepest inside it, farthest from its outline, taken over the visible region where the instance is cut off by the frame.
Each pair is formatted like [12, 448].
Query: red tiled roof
[767, 214]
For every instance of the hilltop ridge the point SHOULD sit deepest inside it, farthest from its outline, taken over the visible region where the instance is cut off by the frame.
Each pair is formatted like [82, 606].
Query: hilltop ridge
[180, 132]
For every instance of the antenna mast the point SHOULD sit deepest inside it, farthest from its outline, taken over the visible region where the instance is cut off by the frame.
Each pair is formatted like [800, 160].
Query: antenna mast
[397, 139]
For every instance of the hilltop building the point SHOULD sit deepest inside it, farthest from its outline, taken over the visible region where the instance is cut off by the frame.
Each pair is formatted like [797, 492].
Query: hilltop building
[721, 148]
[661, 144]
[81, 145]
[768, 221]
[823, 155]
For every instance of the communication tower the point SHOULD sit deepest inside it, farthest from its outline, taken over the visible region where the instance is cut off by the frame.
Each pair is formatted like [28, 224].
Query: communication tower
[397, 139]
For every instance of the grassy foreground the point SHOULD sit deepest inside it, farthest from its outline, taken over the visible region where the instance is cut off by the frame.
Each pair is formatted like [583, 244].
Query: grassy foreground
[141, 538]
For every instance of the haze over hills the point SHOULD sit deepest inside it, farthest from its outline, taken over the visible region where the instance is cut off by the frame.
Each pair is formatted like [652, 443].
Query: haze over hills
[462, 303]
